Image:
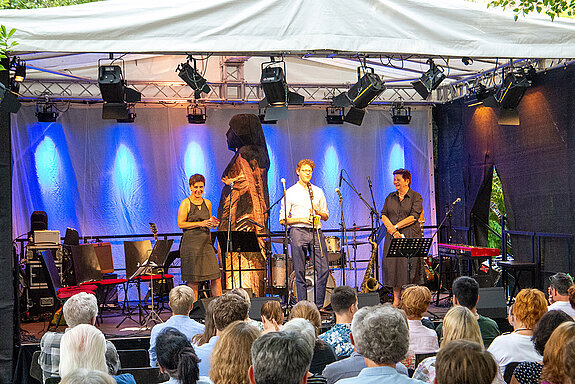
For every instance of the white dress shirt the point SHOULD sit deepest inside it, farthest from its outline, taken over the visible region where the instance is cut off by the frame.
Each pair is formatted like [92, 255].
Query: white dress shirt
[299, 203]
[421, 338]
[564, 306]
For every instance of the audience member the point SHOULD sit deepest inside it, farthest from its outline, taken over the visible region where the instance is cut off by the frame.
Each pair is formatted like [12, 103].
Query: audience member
[243, 293]
[227, 309]
[280, 358]
[344, 305]
[569, 361]
[554, 355]
[465, 361]
[466, 293]
[231, 356]
[82, 308]
[323, 353]
[530, 305]
[380, 334]
[414, 301]
[459, 324]
[86, 376]
[558, 291]
[529, 372]
[181, 302]
[176, 357]
[272, 316]
[210, 327]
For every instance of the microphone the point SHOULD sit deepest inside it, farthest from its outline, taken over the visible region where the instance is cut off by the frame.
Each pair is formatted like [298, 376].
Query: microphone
[283, 183]
[456, 201]
[340, 178]
[310, 190]
[338, 192]
[369, 181]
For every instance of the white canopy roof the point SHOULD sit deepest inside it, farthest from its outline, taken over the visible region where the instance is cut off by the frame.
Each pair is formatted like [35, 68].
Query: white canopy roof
[448, 28]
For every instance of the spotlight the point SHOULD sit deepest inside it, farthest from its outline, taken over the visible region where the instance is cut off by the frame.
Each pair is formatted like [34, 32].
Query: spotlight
[277, 95]
[131, 115]
[429, 80]
[467, 60]
[334, 115]
[400, 114]
[191, 76]
[115, 94]
[19, 70]
[480, 95]
[196, 114]
[8, 100]
[262, 116]
[46, 112]
[360, 95]
[513, 87]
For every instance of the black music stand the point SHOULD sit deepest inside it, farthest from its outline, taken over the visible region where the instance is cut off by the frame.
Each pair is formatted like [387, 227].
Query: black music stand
[409, 248]
[242, 241]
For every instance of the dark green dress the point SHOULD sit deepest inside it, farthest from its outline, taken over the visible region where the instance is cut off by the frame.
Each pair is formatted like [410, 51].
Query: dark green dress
[199, 262]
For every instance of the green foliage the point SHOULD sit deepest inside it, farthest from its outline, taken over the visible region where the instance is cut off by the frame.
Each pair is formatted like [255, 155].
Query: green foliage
[5, 43]
[552, 8]
[496, 211]
[27, 4]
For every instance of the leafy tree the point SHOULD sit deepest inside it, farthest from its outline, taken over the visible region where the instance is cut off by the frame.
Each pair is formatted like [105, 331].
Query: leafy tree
[552, 8]
[27, 4]
[5, 43]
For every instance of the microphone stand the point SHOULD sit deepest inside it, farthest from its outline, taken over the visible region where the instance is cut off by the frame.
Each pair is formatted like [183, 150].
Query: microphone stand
[313, 245]
[229, 235]
[345, 248]
[374, 214]
[285, 246]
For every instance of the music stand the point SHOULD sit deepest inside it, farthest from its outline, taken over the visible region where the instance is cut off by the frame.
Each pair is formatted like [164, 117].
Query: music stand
[161, 251]
[242, 241]
[409, 248]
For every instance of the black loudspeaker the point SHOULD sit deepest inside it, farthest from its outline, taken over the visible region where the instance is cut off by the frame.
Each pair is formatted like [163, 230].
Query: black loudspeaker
[367, 299]
[198, 311]
[256, 306]
[38, 221]
[492, 303]
[72, 237]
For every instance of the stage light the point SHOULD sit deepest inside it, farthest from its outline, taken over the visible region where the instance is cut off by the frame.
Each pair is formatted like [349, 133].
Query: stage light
[193, 78]
[334, 115]
[277, 95]
[46, 112]
[467, 60]
[196, 114]
[400, 114]
[430, 80]
[262, 116]
[131, 115]
[19, 69]
[480, 95]
[513, 87]
[115, 94]
[8, 100]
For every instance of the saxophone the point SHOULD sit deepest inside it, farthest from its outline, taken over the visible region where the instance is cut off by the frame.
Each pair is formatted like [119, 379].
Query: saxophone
[369, 283]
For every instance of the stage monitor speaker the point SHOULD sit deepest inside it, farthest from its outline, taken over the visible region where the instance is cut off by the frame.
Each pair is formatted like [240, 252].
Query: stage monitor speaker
[104, 255]
[136, 252]
[256, 306]
[199, 309]
[86, 264]
[492, 303]
[367, 299]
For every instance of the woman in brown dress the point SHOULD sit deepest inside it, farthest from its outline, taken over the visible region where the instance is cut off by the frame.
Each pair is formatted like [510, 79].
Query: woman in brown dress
[400, 215]
[199, 261]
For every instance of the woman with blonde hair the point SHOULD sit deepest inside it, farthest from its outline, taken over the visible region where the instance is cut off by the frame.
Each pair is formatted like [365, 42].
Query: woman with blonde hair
[231, 356]
[554, 356]
[272, 316]
[323, 353]
[459, 324]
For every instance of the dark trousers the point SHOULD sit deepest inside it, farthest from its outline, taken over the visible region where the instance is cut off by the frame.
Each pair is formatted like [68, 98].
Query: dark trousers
[301, 240]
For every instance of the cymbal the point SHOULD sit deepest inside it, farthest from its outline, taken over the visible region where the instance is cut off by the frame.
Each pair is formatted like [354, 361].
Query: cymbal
[358, 227]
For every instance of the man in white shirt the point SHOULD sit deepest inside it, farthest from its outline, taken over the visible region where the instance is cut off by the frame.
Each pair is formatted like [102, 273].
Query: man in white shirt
[306, 208]
[559, 285]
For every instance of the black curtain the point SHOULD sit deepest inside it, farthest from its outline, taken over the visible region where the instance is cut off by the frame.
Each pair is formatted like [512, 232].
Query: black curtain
[534, 161]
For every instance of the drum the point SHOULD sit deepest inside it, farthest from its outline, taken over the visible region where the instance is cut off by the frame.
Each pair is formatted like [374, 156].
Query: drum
[278, 270]
[309, 274]
[333, 249]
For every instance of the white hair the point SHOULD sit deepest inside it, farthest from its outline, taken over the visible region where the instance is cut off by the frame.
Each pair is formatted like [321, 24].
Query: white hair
[86, 376]
[81, 308]
[83, 346]
[303, 328]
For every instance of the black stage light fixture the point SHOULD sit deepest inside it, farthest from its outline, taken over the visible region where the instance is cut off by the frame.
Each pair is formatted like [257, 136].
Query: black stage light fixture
[196, 114]
[262, 116]
[8, 100]
[334, 115]
[115, 94]
[46, 112]
[400, 114]
[192, 77]
[131, 115]
[19, 69]
[480, 95]
[277, 95]
[430, 80]
[513, 87]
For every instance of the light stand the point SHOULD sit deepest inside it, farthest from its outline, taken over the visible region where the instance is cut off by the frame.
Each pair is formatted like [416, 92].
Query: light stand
[345, 248]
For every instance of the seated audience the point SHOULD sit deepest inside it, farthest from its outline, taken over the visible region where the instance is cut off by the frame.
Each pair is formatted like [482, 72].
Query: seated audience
[459, 324]
[530, 305]
[84, 346]
[82, 308]
[414, 301]
[181, 302]
[466, 293]
[465, 361]
[380, 334]
[243, 293]
[323, 353]
[227, 309]
[529, 372]
[344, 305]
[280, 358]
[176, 357]
[554, 356]
[210, 328]
[231, 357]
[558, 291]
[86, 376]
[569, 361]
[272, 316]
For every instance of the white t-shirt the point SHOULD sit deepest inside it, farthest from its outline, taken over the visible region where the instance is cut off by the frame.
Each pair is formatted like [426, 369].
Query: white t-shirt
[564, 306]
[513, 347]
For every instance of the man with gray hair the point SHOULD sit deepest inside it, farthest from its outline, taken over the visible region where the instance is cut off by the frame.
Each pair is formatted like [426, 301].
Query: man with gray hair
[381, 336]
[82, 308]
[280, 358]
[559, 285]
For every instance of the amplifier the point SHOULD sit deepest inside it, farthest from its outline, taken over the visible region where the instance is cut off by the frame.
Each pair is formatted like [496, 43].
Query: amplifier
[33, 252]
[39, 301]
[46, 238]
